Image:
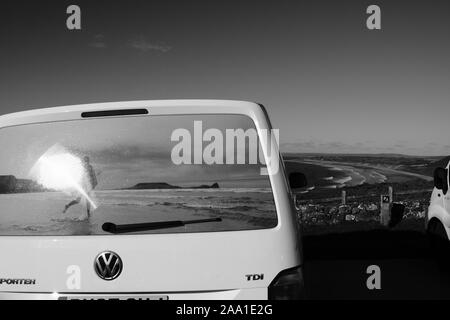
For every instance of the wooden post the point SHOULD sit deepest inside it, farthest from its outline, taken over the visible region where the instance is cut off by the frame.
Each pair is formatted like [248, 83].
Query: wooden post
[344, 197]
[386, 207]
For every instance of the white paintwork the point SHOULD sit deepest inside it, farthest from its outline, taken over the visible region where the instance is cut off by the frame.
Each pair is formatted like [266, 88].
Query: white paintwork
[193, 266]
[440, 206]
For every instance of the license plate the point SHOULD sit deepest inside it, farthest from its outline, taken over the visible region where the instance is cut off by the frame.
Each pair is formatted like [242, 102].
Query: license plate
[113, 297]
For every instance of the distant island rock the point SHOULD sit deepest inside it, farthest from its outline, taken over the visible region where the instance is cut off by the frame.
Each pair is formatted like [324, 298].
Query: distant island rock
[165, 185]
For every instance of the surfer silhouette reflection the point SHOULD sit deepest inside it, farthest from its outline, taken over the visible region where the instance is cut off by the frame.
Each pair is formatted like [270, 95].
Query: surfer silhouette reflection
[88, 183]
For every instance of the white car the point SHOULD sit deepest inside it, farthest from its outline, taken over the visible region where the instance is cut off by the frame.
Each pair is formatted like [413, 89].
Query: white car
[141, 200]
[438, 217]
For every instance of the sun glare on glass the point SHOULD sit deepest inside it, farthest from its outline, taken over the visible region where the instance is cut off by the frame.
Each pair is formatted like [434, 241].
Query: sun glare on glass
[60, 171]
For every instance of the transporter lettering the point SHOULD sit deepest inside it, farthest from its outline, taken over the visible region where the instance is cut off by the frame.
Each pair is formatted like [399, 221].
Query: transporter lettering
[17, 281]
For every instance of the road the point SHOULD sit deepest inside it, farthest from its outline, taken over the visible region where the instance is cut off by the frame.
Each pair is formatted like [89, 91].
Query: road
[336, 265]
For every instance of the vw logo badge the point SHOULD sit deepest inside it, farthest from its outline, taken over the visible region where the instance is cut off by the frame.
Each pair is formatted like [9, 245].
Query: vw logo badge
[108, 265]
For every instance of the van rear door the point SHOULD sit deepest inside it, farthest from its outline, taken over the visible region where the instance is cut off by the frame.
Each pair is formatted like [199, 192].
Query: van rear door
[154, 205]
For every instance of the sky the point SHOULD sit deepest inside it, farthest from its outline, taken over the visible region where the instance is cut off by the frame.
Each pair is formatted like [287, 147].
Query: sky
[329, 84]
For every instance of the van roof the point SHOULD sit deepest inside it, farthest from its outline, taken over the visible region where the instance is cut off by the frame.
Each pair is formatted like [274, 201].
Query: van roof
[37, 115]
[131, 104]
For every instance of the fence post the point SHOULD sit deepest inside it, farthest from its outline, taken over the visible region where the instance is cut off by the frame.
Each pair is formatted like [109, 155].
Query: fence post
[344, 197]
[386, 207]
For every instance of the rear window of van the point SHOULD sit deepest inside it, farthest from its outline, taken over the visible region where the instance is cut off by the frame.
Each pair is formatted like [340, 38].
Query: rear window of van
[134, 175]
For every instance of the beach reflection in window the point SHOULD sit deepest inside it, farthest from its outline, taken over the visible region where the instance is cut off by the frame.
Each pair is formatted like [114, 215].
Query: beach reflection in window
[69, 178]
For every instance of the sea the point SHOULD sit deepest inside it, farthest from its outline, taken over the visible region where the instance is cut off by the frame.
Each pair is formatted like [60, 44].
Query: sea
[42, 213]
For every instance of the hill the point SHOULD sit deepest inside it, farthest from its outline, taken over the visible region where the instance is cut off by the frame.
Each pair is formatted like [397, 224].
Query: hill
[442, 163]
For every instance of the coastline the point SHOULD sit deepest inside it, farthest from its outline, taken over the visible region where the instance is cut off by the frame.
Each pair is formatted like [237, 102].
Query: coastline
[336, 175]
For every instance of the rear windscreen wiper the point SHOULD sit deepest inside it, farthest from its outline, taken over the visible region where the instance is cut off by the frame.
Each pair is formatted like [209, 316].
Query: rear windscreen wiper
[135, 227]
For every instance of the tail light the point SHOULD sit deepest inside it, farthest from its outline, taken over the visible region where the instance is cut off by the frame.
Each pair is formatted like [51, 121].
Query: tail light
[288, 285]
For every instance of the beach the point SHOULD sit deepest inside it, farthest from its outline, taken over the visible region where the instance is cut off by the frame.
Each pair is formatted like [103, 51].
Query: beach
[41, 213]
[335, 174]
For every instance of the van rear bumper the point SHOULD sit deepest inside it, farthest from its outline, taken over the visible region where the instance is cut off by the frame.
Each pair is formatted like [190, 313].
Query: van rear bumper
[238, 294]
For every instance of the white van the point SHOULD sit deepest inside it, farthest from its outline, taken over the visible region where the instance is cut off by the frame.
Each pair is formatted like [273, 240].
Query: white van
[131, 200]
[438, 216]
